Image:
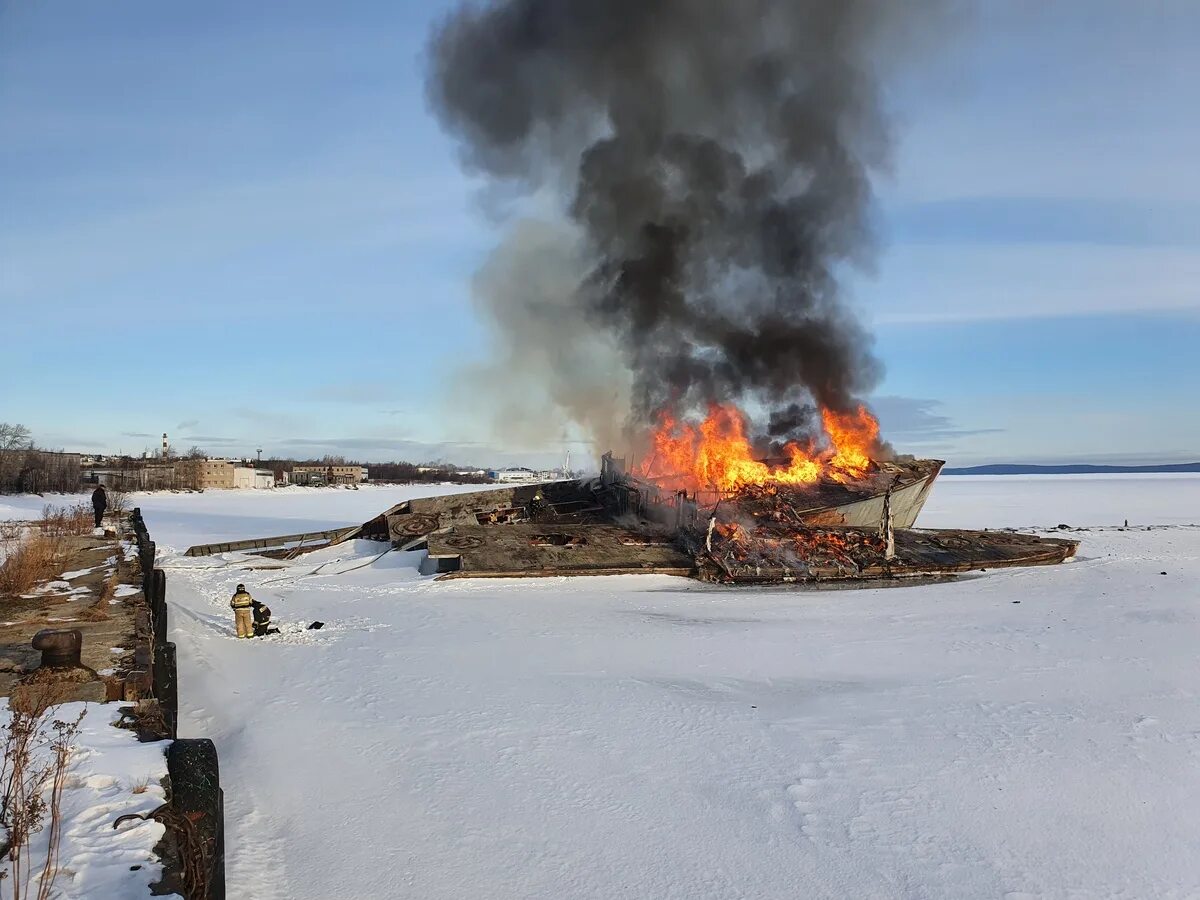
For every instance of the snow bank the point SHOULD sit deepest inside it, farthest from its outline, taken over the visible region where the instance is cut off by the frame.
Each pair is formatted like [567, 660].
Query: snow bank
[111, 774]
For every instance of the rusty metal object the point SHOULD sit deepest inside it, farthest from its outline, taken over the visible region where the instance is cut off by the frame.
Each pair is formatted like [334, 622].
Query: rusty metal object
[464, 541]
[60, 647]
[62, 672]
[413, 524]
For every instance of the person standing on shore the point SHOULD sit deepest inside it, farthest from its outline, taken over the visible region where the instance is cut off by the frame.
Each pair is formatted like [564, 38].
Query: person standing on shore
[99, 503]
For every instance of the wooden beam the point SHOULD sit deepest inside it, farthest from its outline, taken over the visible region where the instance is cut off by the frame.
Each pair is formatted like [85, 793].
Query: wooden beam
[332, 536]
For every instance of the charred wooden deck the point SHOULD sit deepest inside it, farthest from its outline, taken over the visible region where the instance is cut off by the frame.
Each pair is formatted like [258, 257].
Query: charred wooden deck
[835, 554]
[531, 551]
[848, 554]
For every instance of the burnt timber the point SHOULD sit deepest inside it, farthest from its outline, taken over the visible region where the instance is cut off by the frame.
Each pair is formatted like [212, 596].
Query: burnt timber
[531, 551]
[535, 551]
[849, 554]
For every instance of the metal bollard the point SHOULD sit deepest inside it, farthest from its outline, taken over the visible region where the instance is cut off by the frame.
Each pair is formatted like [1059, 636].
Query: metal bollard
[60, 648]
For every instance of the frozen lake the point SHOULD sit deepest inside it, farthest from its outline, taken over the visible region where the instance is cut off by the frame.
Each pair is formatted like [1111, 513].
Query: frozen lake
[1021, 733]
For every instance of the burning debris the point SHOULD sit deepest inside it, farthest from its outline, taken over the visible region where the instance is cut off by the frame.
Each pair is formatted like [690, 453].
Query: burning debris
[790, 552]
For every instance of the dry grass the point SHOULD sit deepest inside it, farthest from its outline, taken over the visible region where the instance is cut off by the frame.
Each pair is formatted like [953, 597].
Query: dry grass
[141, 785]
[30, 561]
[64, 520]
[33, 555]
[99, 610]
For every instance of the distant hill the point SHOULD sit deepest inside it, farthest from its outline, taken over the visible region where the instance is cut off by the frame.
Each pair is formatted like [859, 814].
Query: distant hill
[1019, 469]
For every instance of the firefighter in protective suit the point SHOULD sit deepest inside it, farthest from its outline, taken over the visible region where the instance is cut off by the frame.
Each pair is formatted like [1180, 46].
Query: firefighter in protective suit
[262, 619]
[243, 612]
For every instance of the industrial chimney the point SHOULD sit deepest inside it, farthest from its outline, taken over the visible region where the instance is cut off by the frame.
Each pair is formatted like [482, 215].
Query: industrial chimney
[164, 445]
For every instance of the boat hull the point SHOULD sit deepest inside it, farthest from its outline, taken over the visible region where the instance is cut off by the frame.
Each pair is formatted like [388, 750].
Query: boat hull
[907, 500]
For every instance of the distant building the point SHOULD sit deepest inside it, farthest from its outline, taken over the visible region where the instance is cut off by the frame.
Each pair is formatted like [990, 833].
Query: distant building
[188, 474]
[216, 474]
[514, 475]
[248, 478]
[317, 475]
[231, 474]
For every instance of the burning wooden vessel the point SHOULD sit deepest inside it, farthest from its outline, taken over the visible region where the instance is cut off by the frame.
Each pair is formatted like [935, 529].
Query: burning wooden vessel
[703, 505]
[619, 523]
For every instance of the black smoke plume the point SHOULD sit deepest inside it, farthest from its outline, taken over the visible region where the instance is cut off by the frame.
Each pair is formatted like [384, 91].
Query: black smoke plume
[713, 159]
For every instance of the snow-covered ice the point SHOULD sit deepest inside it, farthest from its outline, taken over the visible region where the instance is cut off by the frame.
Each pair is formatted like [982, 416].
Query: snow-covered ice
[1021, 733]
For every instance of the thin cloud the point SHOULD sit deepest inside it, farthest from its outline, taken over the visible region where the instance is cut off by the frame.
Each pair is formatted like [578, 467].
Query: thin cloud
[917, 420]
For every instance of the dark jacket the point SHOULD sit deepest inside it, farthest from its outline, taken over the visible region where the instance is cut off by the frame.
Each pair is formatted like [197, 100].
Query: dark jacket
[262, 614]
[99, 498]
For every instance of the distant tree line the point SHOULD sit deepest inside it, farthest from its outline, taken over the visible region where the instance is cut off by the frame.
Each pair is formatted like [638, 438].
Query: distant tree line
[25, 468]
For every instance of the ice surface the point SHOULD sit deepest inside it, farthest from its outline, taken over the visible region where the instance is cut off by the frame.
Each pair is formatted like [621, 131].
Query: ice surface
[1021, 733]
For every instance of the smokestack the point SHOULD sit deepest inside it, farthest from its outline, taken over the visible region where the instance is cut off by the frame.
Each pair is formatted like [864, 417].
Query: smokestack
[710, 165]
[164, 452]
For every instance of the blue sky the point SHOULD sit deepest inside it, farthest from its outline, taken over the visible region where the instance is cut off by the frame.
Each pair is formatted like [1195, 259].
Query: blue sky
[239, 224]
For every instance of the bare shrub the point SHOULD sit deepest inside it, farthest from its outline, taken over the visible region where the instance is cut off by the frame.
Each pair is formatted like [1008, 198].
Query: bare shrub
[29, 562]
[67, 520]
[80, 519]
[10, 537]
[37, 753]
[118, 503]
[53, 519]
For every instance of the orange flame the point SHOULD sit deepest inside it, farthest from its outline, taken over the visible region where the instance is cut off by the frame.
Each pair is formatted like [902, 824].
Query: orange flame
[853, 436]
[716, 454]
